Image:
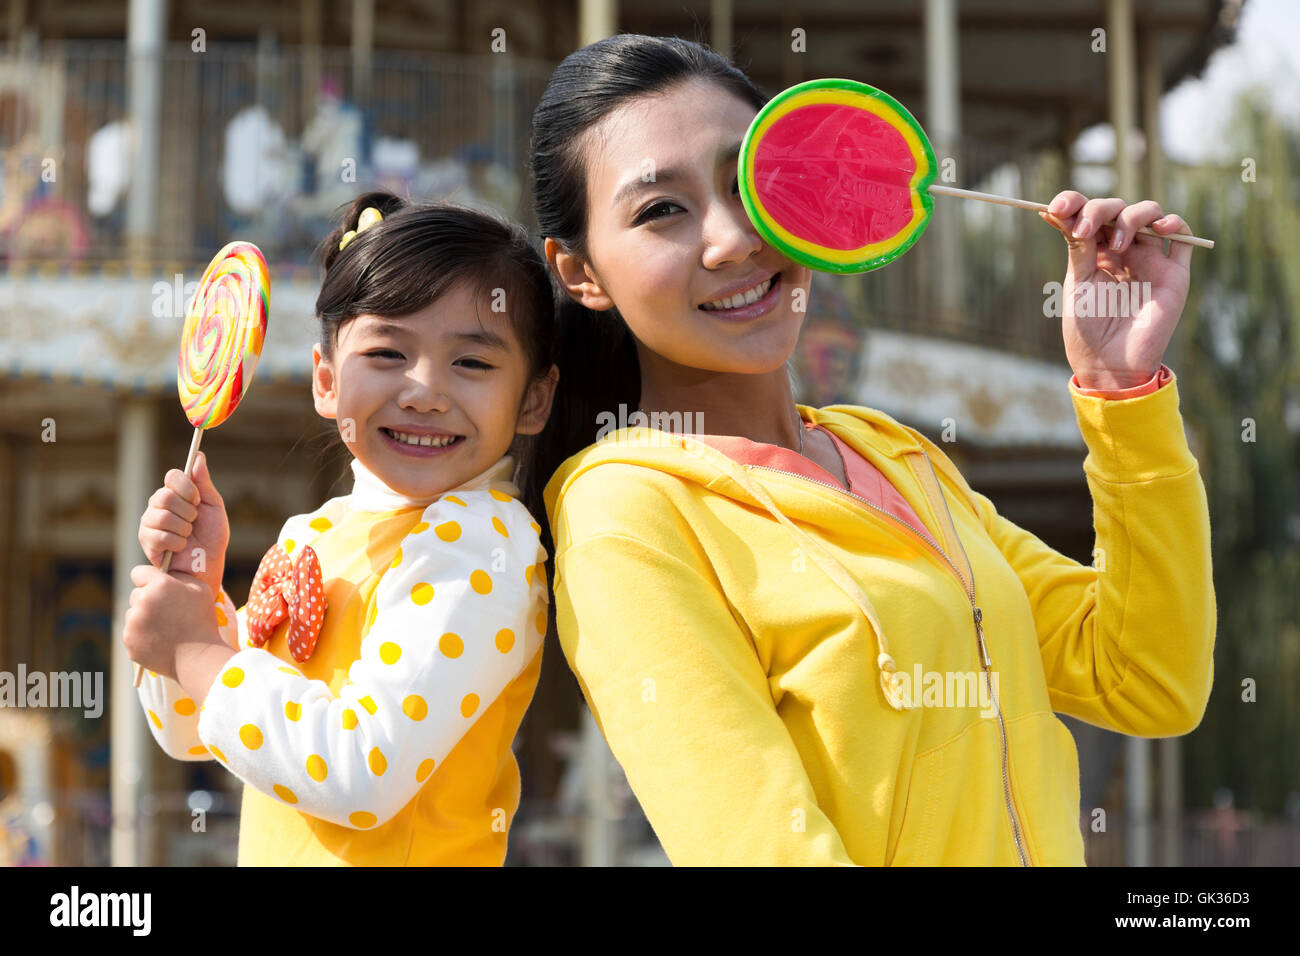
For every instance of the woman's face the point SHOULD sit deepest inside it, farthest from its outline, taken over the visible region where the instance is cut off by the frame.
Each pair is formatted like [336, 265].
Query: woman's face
[668, 240]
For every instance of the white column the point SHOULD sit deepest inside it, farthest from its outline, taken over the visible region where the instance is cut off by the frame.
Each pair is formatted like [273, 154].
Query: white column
[598, 836]
[597, 19]
[720, 26]
[1155, 155]
[146, 27]
[1121, 63]
[1170, 749]
[310, 62]
[363, 41]
[137, 476]
[943, 124]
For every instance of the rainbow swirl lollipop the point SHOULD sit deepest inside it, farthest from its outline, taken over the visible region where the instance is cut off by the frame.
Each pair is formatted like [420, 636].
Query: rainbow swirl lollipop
[225, 327]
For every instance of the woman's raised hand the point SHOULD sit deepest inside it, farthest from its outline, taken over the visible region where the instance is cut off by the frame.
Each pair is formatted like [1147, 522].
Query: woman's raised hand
[1122, 294]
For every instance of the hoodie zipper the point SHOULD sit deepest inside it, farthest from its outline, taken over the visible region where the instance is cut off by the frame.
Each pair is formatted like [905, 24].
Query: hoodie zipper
[988, 664]
[976, 613]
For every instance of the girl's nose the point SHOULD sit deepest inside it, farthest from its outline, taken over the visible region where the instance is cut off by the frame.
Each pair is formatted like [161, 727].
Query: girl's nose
[729, 236]
[423, 391]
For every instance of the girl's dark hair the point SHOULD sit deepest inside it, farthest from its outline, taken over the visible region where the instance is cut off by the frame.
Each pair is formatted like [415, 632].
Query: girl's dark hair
[416, 254]
[597, 354]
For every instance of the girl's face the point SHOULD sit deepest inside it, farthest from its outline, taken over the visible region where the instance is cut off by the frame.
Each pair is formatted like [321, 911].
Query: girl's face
[668, 240]
[432, 399]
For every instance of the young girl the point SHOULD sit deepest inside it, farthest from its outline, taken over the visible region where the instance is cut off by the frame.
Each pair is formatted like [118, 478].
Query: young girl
[841, 654]
[369, 691]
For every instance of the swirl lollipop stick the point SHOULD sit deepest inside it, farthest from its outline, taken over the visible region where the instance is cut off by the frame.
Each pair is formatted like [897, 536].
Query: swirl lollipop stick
[225, 326]
[838, 176]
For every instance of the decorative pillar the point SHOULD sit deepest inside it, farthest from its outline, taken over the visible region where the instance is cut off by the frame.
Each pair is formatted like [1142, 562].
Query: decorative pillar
[943, 123]
[1121, 66]
[597, 19]
[363, 41]
[720, 26]
[146, 28]
[130, 756]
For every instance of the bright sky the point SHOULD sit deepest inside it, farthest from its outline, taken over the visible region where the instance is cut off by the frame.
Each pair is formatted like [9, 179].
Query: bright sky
[1194, 116]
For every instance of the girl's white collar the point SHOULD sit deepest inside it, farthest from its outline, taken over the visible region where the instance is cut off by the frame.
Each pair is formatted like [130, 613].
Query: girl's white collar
[369, 493]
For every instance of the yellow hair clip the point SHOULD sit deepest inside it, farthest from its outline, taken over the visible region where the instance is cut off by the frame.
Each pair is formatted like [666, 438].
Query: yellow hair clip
[369, 216]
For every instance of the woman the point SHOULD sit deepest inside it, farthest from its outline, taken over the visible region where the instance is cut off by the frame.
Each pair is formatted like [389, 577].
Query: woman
[803, 636]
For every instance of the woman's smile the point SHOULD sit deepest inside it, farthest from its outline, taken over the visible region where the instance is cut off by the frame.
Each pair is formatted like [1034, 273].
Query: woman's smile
[752, 301]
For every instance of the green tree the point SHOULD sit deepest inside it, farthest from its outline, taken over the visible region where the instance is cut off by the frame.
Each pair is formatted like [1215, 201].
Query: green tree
[1238, 365]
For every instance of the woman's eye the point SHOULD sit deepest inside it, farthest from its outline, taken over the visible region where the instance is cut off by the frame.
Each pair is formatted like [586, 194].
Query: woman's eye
[656, 210]
[476, 363]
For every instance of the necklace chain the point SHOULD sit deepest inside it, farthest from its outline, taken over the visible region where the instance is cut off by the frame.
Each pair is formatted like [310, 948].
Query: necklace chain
[801, 427]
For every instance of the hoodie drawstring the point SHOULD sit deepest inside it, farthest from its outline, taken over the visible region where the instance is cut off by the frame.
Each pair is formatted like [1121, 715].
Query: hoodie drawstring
[890, 680]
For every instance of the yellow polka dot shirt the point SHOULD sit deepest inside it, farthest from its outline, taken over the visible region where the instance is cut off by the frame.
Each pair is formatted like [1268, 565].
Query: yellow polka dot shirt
[391, 744]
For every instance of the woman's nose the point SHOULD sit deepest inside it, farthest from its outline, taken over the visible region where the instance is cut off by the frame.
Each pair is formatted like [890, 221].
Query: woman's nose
[729, 236]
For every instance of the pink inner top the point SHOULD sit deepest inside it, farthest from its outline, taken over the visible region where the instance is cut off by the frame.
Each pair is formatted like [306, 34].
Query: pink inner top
[865, 479]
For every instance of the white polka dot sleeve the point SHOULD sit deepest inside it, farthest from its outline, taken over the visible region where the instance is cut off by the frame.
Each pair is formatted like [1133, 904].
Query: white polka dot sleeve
[171, 713]
[459, 614]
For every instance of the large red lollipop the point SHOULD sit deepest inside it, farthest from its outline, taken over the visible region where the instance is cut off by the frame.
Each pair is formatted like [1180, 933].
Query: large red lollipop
[838, 176]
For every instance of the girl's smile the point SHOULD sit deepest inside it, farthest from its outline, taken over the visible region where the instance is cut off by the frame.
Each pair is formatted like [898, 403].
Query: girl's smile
[422, 443]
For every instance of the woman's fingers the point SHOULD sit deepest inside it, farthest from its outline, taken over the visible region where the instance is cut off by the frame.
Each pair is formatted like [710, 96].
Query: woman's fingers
[1167, 225]
[1066, 203]
[1094, 214]
[1130, 220]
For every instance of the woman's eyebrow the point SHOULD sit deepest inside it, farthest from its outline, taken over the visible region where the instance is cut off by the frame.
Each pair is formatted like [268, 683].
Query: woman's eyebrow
[669, 174]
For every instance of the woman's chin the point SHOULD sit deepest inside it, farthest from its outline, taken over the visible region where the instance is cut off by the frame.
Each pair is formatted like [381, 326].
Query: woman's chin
[759, 353]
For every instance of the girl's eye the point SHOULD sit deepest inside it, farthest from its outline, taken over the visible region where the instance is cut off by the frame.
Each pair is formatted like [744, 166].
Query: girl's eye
[656, 210]
[475, 362]
[384, 353]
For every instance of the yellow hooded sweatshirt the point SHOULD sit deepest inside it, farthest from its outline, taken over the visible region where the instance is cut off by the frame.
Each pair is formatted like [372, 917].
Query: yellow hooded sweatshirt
[789, 675]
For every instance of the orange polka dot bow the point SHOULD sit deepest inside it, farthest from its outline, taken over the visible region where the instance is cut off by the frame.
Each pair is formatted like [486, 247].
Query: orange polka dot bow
[282, 590]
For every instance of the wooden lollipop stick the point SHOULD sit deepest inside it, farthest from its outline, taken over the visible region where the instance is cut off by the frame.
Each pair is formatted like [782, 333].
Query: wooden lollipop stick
[1039, 207]
[167, 555]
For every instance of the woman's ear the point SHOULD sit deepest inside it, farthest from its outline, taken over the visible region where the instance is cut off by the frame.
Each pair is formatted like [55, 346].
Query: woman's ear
[576, 277]
[324, 388]
[537, 403]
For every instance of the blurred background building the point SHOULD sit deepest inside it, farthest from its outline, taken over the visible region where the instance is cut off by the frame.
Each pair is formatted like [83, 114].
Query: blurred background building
[137, 138]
